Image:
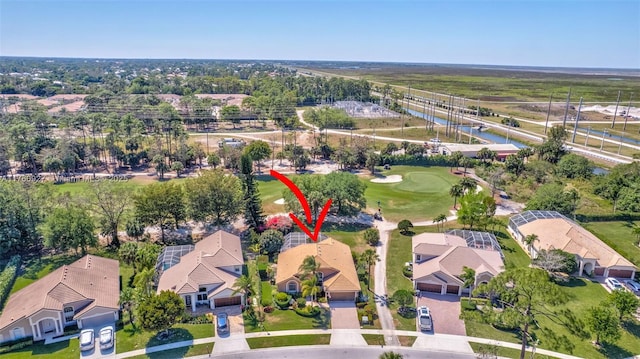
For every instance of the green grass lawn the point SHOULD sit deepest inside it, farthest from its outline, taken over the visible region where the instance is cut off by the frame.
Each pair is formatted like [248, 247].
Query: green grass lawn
[291, 340]
[65, 349]
[374, 339]
[406, 341]
[288, 320]
[349, 234]
[270, 191]
[423, 193]
[191, 350]
[502, 351]
[265, 292]
[583, 294]
[39, 267]
[618, 236]
[130, 338]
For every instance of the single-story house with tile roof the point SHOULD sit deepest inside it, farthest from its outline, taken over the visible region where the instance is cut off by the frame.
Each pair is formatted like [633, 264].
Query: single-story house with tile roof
[206, 275]
[337, 274]
[85, 292]
[439, 259]
[555, 231]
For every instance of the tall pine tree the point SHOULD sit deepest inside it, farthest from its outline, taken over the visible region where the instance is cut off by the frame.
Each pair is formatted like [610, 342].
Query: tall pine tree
[253, 216]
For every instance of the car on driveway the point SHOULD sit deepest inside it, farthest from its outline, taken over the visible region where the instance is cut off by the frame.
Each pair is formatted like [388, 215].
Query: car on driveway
[424, 319]
[634, 286]
[613, 283]
[87, 340]
[106, 338]
[222, 323]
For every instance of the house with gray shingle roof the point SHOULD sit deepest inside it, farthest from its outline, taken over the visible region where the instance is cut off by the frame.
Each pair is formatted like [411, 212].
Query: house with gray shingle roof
[85, 292]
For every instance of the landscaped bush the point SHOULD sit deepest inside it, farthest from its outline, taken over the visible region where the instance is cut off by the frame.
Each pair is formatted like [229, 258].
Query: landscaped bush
[301, 302]
[266, 298]
[7, 277]
[268, 309]
[309, 312]
[361, 305]
[262, 271]
[15, 345]
[282, 300]
[406, 270]
[196, 319]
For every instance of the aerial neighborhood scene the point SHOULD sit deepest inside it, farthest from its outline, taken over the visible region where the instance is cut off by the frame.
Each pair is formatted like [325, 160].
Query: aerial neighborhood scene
[313, 179]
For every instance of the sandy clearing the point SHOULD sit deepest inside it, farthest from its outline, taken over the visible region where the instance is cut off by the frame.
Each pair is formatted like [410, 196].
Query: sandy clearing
[388, 179]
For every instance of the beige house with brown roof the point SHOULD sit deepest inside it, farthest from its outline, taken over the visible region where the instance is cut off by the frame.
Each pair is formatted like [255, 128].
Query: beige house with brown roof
[85, 292]
[337, 274]
[556, 231]
[206, 275]
[439, 259]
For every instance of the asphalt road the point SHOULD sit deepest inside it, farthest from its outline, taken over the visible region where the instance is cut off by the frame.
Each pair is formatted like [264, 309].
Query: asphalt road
[335, 353]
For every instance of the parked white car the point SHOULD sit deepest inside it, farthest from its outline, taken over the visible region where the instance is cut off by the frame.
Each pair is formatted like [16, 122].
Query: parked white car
[424, 319]
[106, 338]
[634, 286]
[613, 283]
[87, 340]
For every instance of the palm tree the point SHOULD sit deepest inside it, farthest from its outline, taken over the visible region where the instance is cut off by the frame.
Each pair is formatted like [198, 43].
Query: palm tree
[370, 257]
[468, 184]
[242, 285]
[468, 276]
[529, 240]
[127, 301]
[636, 231]
[310, 287]
[440, 219]
[309, 267]
[144, 281]
[455, 159]
[456, 191]
[390, 355]
[128, 253]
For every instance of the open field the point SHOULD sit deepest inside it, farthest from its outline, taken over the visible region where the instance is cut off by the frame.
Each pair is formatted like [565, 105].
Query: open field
[422, 194]
[506, 84]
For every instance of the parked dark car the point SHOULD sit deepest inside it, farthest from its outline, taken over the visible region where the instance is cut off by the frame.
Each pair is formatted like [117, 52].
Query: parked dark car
[222, 323]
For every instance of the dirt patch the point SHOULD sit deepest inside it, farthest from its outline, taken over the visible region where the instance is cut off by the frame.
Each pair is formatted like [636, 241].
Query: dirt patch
[388, 179]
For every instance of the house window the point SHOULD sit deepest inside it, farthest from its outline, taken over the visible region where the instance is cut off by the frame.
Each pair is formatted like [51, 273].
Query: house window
[320, 277]
[187, 300]
[237, 269]
[203, 294]
[292, 287]
[418, 257]
[68, 314]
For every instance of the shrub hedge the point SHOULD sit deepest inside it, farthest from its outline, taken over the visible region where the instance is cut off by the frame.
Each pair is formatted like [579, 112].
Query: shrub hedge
[309, 312]
[266, 297]
[7, 277]
[282, 300]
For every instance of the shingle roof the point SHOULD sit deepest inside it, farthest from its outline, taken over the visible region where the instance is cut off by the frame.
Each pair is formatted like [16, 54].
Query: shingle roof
[202, 266]
[334, 257]
[91, 278]
[562, 233]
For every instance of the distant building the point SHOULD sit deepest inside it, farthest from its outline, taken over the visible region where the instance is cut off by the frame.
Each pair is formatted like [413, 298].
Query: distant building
[501, 149]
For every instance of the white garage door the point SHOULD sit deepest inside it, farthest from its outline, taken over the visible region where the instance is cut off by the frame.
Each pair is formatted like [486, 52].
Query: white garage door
[98, 321]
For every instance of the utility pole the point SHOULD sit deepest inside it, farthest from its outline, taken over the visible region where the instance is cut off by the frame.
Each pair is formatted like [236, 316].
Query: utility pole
[621, 137]
[602, 143]
[461, 118]
[546, 124]
[626, 115]
[408, 103]
[615, 113]
[575, 124]
[587, 138]
[566, 109]
[424, 113]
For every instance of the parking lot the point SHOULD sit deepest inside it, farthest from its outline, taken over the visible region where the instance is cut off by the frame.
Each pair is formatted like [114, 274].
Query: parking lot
[445, 312]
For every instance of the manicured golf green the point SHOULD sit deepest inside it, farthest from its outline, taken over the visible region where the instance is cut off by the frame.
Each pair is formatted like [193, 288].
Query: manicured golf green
[422, 195]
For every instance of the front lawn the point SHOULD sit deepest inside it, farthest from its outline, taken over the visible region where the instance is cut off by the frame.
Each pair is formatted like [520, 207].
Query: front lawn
[290, 340]
[618, 236]
[130, 338]
[288, 320]
[191, 350]
[583, 294]
[422, 194]
[501, 351]
[374, 339]
[65, 349]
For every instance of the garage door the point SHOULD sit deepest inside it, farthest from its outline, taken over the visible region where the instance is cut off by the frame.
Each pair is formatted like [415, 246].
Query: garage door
[453, 289]
[620, 273]
[98, 321]
[346, 296]
[428, 287]
[225, 302]
[599, 271]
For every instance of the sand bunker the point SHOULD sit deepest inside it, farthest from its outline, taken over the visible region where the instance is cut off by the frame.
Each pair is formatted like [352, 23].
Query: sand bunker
[388, 179]
[279, 201]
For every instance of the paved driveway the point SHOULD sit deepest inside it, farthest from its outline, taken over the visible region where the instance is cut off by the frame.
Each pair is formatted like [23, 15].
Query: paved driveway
[445, 312]
[96, 352]
[344, 315]
[236, 324]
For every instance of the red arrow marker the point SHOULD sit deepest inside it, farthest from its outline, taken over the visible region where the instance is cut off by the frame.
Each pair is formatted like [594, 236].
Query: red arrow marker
[305, 205]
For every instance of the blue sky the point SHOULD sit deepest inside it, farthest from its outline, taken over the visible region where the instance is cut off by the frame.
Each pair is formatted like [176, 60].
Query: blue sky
[526, 33]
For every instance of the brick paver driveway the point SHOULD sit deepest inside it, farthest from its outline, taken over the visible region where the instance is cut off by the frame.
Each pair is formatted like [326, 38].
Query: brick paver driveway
[344, 315]
[445, 311]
